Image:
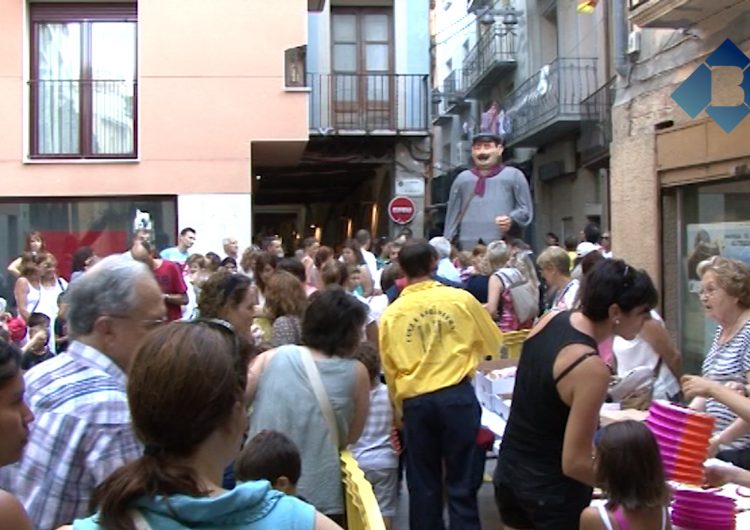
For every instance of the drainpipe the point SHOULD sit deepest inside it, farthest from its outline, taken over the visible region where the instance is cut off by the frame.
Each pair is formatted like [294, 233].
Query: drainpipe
[621, 28]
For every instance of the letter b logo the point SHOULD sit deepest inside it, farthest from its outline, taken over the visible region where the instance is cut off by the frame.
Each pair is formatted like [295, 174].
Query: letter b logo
[720, 86]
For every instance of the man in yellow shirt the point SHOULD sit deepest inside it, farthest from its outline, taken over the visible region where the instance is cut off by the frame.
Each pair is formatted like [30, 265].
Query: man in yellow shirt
[431, 339]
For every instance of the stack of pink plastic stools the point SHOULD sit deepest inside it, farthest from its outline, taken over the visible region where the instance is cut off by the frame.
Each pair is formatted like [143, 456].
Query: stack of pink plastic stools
[682, 435]
[702, 510]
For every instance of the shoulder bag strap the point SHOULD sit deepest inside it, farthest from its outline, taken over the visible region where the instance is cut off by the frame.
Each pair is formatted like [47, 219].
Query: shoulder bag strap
[320, 393]
[462, 213]
[38, 300]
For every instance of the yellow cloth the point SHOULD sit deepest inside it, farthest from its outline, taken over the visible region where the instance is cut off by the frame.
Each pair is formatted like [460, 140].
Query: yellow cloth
[432, 337]
[572, 255]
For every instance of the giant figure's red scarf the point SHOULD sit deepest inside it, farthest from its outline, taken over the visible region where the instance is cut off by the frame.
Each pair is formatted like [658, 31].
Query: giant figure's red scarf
[479, 187]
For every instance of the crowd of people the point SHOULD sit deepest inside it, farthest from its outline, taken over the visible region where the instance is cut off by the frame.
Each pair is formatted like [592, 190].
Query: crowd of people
[178, 390]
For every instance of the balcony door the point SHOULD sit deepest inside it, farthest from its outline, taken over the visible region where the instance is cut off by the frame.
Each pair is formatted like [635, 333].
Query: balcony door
[362, 83]
[83, 80]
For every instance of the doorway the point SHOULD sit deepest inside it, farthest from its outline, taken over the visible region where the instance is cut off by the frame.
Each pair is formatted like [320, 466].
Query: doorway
[362, 66]
[284, 221]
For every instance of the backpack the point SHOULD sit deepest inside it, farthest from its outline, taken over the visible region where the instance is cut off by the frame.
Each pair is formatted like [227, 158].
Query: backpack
[524, 292]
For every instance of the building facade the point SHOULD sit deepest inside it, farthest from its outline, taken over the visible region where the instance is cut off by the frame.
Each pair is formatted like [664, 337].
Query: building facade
[117, 114]
[680, 184]
[366, 70]
[544, 69]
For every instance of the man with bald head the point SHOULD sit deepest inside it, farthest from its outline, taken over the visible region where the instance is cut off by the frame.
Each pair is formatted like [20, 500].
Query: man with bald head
[82, 431]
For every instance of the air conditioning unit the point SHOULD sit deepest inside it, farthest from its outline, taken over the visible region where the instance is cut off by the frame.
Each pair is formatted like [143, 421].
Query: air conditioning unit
[634, 42]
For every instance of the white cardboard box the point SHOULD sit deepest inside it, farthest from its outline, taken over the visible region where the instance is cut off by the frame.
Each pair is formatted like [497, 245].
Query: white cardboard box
[500, 405]
[494, 386]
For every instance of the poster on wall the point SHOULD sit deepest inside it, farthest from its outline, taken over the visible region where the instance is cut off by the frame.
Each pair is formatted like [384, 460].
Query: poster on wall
[731, 240]
[704, 240]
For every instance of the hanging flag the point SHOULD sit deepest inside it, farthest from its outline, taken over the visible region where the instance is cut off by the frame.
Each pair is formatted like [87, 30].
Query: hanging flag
[587, 6]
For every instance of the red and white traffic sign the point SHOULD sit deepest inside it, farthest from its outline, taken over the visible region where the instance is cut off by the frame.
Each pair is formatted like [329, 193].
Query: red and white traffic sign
[402, 210]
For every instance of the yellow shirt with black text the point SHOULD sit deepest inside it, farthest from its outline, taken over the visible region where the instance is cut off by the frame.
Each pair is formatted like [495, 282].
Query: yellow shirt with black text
[432, 337]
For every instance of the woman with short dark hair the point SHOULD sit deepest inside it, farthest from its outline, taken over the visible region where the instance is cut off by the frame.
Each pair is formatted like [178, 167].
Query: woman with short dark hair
[544, 476]
[284, 399]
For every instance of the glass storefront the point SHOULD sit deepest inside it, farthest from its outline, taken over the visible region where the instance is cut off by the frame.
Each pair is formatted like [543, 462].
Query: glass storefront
[713, 218]
[105, 224]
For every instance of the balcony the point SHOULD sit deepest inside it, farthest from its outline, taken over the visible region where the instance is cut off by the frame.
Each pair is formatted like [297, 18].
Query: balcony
[675, 14]
[548, 105]
[445, 98]
[369, 104]
[83, 118]
[493, 56]
[596, 128]
[454, 87]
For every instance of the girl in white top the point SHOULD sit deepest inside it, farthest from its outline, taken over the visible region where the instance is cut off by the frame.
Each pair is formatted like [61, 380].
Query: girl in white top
[629, 470]
[653, 347]
[52, 286]
[28, 286]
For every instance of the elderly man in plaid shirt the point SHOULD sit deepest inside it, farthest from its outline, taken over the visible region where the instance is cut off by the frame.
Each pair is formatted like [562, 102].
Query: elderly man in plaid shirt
[82, 431]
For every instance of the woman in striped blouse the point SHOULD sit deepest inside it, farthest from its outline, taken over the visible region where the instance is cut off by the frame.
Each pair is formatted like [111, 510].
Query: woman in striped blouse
[725, 295]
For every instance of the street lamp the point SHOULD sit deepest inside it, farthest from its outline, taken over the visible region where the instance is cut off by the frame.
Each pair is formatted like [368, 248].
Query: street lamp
[510, 14]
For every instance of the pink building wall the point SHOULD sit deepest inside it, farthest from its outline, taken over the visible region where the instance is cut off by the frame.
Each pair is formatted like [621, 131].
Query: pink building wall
[211, 81]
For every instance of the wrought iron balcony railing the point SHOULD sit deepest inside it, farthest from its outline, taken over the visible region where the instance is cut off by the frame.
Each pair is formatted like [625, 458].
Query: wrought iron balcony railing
[596, 127]
[369, 103]
[548, 104]
[83, 118]
[494, 53]
[454, 85]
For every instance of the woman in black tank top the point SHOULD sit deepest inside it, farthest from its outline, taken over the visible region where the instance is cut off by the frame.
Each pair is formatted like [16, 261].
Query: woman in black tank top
[544, 474]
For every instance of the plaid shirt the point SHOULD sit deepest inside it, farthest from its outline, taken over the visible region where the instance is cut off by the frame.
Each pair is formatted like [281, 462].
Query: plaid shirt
[82, 432]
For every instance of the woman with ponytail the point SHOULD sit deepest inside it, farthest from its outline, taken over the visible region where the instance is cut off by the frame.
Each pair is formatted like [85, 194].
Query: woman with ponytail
[185, 391]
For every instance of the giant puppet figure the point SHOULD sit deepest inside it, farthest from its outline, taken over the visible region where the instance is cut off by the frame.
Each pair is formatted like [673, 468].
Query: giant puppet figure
[488, 201]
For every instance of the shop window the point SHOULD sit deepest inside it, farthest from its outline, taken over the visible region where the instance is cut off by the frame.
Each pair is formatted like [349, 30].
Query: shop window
[83, 80]
[105, 225]
[714, 220]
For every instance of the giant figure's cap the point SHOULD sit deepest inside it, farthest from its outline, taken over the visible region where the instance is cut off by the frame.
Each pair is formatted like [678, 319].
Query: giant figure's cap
[487, 136]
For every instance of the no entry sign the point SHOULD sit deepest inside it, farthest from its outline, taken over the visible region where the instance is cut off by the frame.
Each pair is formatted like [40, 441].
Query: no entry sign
[402, 210]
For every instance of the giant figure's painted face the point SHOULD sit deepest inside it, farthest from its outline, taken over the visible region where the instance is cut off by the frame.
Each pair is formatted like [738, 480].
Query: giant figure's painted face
[486, 153]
